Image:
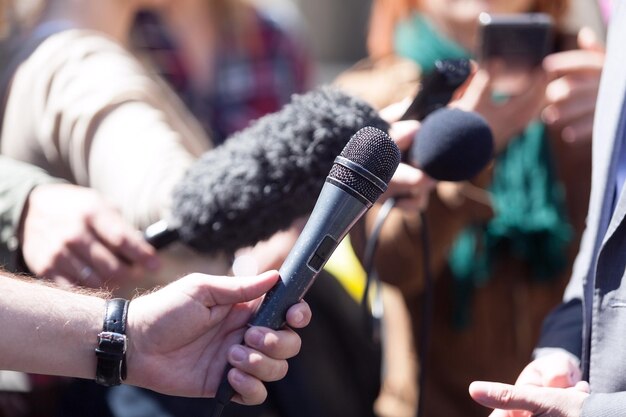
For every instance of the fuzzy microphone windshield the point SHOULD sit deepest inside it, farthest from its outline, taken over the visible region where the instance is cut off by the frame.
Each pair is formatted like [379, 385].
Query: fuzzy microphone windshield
[266, 176]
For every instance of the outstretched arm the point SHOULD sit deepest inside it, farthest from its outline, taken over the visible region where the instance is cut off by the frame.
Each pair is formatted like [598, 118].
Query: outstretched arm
[180, 337]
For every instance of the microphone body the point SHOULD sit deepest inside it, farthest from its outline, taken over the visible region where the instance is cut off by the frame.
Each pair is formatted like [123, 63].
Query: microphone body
[358, 177]
[334, 215]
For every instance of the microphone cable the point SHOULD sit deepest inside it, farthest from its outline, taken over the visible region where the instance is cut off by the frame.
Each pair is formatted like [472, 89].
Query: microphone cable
[375, 311]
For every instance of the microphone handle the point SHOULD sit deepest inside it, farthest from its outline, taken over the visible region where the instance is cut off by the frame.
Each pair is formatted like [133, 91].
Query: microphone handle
[271, 314]
[335, 212]
[160, 235]
[223, 395]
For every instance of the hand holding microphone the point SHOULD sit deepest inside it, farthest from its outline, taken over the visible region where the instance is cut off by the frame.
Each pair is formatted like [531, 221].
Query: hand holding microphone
[449, 145]
[409, 183]
[356, 180]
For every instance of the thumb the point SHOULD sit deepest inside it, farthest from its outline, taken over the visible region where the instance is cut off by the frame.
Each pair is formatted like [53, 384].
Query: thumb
[505, 396]
[588, 40]
[403, 132]
[394, 111]
[477, 89]
[214, 290]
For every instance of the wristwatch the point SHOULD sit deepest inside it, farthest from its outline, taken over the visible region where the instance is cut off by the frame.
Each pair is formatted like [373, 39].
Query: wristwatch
[112, 342]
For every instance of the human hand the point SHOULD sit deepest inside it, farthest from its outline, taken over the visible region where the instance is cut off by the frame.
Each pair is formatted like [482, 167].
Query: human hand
[409, 185]
[411, 188]
[507, 117]
[182, 336]
[554, 370]
[529, 400]
[70, 234]
[573, 89]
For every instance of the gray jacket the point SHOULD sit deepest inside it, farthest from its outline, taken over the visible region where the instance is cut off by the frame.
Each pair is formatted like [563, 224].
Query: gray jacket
[599, 276]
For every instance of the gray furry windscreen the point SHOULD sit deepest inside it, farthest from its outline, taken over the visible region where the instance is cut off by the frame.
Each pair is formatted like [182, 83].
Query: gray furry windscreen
[266, 176]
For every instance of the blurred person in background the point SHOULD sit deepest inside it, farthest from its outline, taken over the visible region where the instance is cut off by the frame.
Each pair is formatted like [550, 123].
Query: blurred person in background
[147, 161]
[64, 232]
[80, 106]
[500, 244]
[230, 61]
[591, 383]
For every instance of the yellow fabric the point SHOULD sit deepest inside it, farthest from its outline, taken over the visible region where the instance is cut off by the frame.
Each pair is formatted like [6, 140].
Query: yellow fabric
[346, 268]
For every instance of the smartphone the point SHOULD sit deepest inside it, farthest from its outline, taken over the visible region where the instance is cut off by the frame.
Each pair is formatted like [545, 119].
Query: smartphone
[437, 87]
[515, 41]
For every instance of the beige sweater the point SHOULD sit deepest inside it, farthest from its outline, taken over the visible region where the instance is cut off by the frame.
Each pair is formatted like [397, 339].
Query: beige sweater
[83, 108]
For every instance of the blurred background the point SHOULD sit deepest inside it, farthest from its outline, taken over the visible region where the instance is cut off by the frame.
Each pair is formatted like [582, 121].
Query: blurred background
[335, 30]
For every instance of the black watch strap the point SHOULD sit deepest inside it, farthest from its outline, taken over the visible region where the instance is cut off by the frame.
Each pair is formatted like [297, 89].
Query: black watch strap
[111, 350]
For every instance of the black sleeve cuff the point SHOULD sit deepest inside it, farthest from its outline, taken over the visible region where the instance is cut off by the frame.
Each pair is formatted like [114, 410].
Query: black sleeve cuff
[563, 327]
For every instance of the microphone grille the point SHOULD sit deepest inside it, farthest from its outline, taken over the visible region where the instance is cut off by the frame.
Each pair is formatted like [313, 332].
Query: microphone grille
[373, 150]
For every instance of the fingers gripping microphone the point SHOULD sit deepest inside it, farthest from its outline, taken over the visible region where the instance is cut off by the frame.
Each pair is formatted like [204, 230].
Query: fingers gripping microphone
[264, 177]
[356, 180]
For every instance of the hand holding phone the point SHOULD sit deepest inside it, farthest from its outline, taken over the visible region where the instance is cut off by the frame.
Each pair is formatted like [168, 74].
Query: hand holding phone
[512, 47]
[517, 41]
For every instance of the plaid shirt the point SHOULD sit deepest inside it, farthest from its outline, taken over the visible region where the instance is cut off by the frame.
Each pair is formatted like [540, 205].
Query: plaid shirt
[249, 81]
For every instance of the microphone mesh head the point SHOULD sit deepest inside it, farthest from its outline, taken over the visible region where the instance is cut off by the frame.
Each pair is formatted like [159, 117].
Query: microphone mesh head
[373, 150]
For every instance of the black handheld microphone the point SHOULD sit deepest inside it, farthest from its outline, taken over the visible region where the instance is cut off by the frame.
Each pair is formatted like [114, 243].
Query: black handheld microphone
[264, 177]
[358, 177]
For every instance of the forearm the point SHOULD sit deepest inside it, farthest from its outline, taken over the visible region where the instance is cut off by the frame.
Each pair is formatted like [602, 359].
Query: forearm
[117, 131]
[149, 156]
[47, 330]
